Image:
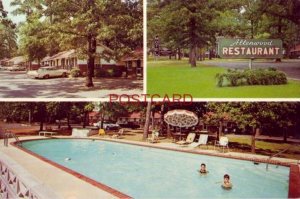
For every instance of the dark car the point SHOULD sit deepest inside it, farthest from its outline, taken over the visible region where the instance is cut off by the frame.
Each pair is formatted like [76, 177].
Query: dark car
[131, 125]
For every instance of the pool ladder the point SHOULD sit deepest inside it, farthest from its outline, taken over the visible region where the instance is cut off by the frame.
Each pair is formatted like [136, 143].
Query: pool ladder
[8, 135]
[269, 159]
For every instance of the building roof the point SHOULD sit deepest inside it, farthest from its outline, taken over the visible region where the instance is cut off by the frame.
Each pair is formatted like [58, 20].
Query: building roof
[5, 59]
[138, 115]
[72, 53]
[17, 60]
[134, 55]
[61, 55]
[296, 48]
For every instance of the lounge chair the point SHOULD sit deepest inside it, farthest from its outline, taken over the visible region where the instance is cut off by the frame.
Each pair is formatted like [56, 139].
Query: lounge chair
[189, 139]
[153, 138]
[223, 142]
[119, 134]
[81, 132]
[202, 141]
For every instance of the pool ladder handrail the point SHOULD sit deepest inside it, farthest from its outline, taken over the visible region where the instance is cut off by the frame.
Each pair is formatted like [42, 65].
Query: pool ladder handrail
[278, 153]
[8, 135]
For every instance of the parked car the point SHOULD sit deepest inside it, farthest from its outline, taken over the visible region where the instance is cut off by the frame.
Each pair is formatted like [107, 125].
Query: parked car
[130, 125]
[47, 72]
[17, 68]
[107, 126]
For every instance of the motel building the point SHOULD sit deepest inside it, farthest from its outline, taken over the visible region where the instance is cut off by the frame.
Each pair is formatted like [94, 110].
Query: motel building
[69, 60]
[134, 64]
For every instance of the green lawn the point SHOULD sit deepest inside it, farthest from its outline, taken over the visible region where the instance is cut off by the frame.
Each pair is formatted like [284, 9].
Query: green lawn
[243, 144]
[170, 76]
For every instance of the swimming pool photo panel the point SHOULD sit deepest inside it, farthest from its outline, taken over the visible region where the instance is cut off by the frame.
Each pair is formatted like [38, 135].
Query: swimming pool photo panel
[150, 150]
[149, 99]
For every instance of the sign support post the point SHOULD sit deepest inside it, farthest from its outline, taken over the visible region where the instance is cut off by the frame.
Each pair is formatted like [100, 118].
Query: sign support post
[250, 63]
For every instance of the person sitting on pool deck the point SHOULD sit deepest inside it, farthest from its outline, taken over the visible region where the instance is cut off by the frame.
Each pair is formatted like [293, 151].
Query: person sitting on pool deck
[203, 169]
[227, 184]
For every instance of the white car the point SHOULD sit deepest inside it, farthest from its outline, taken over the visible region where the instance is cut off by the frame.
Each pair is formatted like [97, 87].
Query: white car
[17, 68]
[107, 126]
[47, 72]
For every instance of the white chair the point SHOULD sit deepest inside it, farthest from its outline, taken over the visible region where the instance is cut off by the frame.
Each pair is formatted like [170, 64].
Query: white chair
[153, 138]
[189, 139]
[118, 134]
[202, 141]
[223, 142]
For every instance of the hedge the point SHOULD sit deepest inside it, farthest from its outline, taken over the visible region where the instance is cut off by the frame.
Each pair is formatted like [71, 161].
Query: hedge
[114, 72]
[237, 77]
[75, 72]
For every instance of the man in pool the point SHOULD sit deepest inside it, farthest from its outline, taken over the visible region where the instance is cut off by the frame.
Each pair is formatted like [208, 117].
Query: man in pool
[203, 169]
[226, 183]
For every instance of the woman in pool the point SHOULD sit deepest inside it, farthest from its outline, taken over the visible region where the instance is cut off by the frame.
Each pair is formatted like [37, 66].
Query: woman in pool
[203, 169]
[226, 183]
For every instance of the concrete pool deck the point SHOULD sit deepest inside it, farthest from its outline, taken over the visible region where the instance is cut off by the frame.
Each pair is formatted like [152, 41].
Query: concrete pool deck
[69, 186]
[64, 184]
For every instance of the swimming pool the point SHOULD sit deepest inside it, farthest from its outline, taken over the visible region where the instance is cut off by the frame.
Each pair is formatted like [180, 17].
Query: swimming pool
[143, 172]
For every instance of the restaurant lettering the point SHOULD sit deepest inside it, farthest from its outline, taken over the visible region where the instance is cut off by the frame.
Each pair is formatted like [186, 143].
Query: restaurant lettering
[250, 48]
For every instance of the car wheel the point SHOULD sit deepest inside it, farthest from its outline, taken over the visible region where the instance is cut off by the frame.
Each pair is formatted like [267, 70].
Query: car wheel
[46, 76]
[64, 75]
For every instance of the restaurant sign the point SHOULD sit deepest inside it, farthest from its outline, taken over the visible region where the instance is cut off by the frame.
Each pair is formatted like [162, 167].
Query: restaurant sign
[250, 48]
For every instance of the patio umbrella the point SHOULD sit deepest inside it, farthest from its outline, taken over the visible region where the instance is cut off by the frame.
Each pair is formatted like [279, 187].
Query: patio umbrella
[181, 118]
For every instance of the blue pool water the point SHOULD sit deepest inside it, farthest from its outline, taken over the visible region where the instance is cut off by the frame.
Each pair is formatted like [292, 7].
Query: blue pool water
[143, 172]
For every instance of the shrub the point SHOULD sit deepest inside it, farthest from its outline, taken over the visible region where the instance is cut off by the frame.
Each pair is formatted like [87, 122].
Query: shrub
[101, 73]
[117, 72]
[75, 72]
[251, 77]
[110, 73]
[114, 72]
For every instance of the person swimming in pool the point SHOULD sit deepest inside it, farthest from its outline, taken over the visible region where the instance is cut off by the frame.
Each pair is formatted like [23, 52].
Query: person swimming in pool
[203, 169]
[226, 183]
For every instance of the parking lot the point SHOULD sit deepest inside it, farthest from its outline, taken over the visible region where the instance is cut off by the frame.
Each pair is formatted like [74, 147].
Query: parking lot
[16, 84]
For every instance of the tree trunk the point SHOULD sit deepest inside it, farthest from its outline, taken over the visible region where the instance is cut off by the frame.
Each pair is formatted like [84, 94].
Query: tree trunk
[279, 32]
[193, 45]
[91, 60]
[252, 29]
[29, 117]
[220, 130]
[254, 131]
[285, 135]
[68, 121]
[147, 122]
[102, 121]
[84, 120]
[162, 109]
[42, 124]
[152, 119]
[168, 131]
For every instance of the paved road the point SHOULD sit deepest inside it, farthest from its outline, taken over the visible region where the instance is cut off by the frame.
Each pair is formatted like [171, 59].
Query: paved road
[290, 67]
[18, 85]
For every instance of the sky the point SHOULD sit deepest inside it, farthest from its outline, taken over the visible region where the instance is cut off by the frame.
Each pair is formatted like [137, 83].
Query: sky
[9, 9]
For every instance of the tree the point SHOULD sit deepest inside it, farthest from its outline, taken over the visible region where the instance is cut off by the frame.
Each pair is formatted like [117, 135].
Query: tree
[217, 114]
[8, 37]
[85, 24]
[147, 121]
[186, 24]
[32, 39]
[110, 111]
